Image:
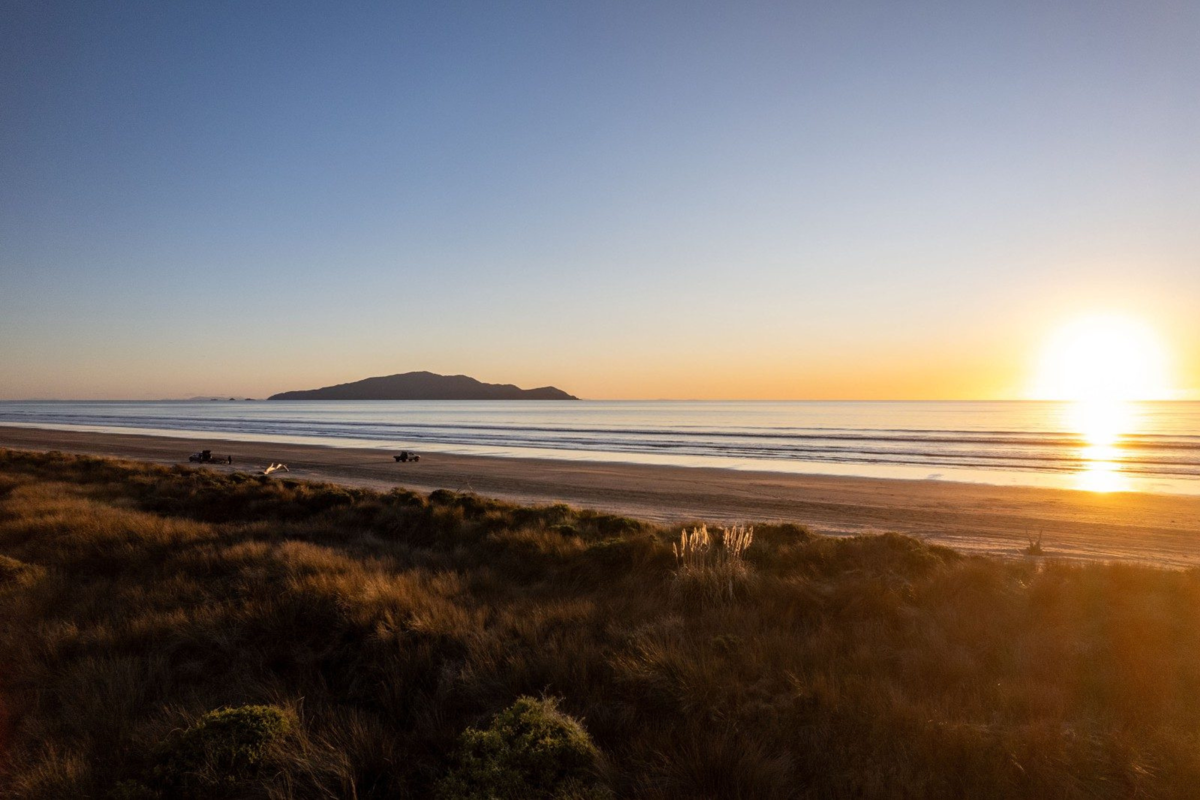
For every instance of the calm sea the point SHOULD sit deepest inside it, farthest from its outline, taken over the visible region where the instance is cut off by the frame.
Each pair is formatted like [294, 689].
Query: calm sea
[1138, 447]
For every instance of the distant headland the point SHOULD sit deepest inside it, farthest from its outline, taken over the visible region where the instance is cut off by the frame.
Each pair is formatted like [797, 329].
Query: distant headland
[424, 386]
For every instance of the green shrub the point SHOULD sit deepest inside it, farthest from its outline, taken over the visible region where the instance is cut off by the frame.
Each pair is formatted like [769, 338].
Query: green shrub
[613, 525]
[474, 506]
[531, 750]
[405, 498]
[218, 751]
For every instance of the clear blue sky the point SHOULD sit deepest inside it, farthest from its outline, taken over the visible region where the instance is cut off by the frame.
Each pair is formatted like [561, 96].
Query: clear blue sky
[623, 199]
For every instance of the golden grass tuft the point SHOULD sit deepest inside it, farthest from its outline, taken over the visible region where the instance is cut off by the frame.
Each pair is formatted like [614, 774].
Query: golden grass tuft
[712, 570]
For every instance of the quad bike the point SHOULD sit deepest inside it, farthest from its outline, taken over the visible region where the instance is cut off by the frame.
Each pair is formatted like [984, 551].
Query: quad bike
[207, 457]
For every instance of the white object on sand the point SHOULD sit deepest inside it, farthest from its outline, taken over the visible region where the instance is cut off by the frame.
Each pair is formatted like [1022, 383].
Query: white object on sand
[276, 468]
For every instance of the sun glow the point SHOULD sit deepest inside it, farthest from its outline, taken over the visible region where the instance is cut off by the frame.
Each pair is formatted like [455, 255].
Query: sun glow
[1103, 359]
[1102, 365]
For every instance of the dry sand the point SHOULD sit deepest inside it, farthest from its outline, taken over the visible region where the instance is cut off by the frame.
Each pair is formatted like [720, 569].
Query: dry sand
[1160, 529]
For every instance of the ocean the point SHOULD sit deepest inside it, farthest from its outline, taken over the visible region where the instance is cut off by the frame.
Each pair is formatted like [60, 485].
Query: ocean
[1150, 446]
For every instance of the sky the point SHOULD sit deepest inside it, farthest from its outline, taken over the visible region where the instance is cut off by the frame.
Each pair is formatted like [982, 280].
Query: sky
[626, 200]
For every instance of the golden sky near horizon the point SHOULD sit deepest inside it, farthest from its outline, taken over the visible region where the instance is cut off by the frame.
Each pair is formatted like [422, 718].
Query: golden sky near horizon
[793, 201]
[712, 364]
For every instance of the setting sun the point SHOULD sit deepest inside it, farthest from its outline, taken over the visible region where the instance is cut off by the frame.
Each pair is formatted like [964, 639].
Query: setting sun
[1103, 359]
[1102, 364]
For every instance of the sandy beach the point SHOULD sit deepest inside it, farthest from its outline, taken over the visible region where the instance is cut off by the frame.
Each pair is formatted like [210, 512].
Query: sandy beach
[1160, 529]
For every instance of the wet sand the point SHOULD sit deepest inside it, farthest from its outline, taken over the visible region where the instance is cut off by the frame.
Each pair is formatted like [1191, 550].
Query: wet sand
[978, 518]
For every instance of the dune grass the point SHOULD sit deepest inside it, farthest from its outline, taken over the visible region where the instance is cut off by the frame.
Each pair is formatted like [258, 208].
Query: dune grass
[383, 641]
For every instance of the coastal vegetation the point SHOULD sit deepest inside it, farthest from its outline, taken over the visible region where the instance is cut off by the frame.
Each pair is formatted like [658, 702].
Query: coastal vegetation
[180, 632]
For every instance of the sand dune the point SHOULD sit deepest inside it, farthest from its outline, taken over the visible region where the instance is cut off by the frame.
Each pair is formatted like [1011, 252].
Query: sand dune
[1162, 529]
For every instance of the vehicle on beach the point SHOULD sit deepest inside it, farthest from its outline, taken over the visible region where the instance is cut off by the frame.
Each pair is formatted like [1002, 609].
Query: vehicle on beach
[207, 457]
[406, 456]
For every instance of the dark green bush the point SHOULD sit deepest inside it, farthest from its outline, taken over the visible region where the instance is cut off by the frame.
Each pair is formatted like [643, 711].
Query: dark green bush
[612, 525]
[531, 750]
[219, 750]
[405, 497]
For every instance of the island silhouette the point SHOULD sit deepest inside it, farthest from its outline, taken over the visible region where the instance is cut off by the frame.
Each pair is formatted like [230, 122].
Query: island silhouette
[424, 386]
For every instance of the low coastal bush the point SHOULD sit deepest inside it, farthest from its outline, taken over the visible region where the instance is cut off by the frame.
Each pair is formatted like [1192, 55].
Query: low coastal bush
[214, 757]
[531, 750]
[220, 750]
[367, 631]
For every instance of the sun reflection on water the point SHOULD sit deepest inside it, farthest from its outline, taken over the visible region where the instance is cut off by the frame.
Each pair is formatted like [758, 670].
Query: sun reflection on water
[1101, 425]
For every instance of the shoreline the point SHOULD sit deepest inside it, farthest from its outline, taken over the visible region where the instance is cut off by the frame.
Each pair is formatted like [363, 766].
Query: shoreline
[1162, 529]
